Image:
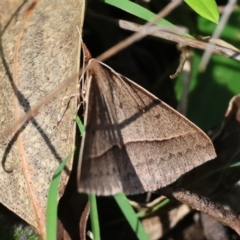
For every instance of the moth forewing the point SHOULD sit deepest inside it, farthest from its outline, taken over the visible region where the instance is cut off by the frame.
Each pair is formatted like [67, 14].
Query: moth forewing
[133, 141]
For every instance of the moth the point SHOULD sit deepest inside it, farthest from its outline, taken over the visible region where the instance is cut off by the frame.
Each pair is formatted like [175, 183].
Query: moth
[133, 142]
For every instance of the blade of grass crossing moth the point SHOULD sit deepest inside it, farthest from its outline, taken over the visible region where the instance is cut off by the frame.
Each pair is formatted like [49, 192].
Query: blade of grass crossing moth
[80, 125]
[51, 213]
[91, 197]
[131, 216]
[94, 216]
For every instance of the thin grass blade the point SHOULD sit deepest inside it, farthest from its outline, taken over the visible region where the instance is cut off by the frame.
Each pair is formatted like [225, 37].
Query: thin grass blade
[51, 213]
[131, 216]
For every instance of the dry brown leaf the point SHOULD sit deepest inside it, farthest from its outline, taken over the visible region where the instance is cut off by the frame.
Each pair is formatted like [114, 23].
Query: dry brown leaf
[40, 48]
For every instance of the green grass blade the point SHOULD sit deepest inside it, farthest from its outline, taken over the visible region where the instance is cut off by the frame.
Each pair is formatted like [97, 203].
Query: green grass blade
[131, 216]
[205, 8]
[164, 202]
[136, 10]
[51, 213]
[80, 125]
[91, 197]
[140, 12]
[94, 216]
[237, 164]
[154, 209]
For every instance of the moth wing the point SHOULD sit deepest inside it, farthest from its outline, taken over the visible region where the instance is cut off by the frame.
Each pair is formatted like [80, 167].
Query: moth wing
[134, 142]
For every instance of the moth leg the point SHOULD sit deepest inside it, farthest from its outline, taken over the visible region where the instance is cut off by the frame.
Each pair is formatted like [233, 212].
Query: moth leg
[78, 94]
[64, 105]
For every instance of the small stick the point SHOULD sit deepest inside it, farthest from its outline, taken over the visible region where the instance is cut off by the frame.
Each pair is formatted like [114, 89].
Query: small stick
[171, 35]
[203, 204]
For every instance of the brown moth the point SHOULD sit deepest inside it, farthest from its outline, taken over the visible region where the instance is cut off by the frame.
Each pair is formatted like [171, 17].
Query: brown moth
[133, 142]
